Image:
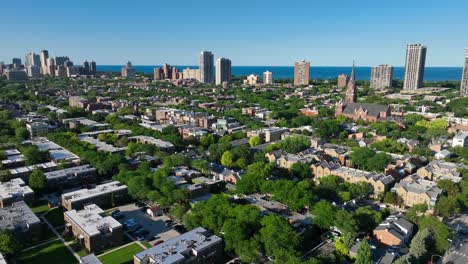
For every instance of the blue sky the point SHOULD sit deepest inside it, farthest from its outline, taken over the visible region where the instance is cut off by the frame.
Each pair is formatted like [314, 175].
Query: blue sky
[254, 32]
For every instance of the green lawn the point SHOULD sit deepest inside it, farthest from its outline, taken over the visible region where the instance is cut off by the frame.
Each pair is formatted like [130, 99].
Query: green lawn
[40, 207]
[55, 253]
[47, 235]
[55, 217]
[121, 256]
[82, 250]
[146, 244]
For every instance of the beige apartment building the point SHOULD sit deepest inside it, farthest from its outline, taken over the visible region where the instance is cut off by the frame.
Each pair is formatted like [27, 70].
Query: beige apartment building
[415, 190]
[301, 73]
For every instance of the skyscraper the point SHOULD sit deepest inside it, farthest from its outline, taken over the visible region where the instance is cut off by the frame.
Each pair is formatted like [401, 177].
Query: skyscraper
[381, 77]
[128, 70]
[16, 62]
[223, 71]
[60, 60]
[464, 82]
[50, 67]
[158, 74]
[268, 77]
[92, 68]
[33, 71]
[167, 69]
[44, 57]
[206, 67]
[85, 67]
[174, 74]
[301, 73]
[351, 93]
[32, 59]
[414, 69]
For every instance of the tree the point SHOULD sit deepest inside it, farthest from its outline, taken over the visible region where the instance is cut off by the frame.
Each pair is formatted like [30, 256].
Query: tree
[346, 223]
[439, 233]
[360, 156]
[300, 170]
[227, 159]
[391, 198]
[324, 213]
[446, 206]
[328, 128]
[295, 144]
[37, 180]
[364, 253]
[207, 140]
[449, 187]
[256, 174]
[8, 243]
[138, 187]
[390, 145]
[277, 235]
[419, 245]
[254, 141]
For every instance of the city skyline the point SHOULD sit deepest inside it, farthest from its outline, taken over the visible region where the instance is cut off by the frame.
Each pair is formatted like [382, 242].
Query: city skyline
[126, 34]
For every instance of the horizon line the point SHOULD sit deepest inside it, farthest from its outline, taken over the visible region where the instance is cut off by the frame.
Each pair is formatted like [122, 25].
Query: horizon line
[181, 65]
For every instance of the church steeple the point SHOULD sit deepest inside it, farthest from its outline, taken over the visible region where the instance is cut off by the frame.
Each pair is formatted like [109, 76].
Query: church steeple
[351, 93]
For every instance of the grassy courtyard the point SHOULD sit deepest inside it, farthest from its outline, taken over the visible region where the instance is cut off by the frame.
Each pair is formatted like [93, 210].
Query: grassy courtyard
[55, 253]
[40, 207]
[55, 217]
[121, 256]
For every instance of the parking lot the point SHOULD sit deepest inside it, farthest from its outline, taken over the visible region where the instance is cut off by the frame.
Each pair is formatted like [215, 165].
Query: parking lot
[154, 225]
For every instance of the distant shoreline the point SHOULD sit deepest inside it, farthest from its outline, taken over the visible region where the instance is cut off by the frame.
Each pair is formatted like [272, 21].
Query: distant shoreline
[442, 73]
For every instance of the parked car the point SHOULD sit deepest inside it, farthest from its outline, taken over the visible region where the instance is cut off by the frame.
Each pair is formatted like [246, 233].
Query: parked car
[129, 222]
[180, 229]
[158, 242]
[135, 227]
[117, 215]
[170, 224]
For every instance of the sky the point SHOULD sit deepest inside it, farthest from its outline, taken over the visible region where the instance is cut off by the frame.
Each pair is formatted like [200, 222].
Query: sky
[249, 32]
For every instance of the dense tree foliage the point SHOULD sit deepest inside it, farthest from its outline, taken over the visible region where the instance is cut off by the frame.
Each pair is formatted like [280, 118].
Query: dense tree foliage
[105, 163]
[8, 243]
[37, 180]
[367, 159]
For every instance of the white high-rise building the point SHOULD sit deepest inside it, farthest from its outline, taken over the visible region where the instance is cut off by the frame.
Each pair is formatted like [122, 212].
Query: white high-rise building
[223, 71]
[464, 82]
[51, 66]
[268, 77]
[381, 77]
[414, 68]
[32, 59]
[206, 67]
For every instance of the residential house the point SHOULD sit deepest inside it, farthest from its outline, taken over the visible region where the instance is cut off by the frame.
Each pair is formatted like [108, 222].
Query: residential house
[415, 190]
[395, 230]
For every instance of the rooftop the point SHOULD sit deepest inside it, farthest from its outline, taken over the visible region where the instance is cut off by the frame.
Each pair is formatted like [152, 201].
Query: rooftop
[97, 191]
[176, 249]
[14, 188]
[73, 171]
[18, 216]
[91, 220]
[154, 141]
